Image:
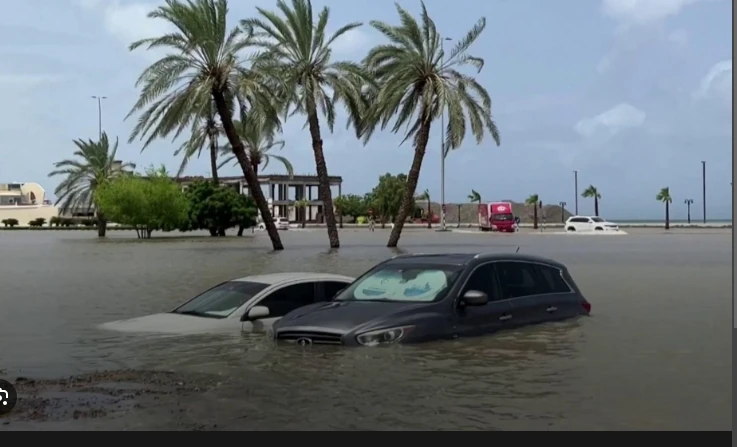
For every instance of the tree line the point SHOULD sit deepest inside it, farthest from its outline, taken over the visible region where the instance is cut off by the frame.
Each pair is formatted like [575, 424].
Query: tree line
[217, 79]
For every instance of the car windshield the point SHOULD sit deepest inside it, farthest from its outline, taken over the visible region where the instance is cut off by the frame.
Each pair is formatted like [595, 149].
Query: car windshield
[507, 216]
[402, 284]
[597, 219]
[221, 300]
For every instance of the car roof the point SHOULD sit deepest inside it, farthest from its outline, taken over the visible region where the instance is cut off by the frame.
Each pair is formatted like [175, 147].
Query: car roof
[276, 278]
[467, 258]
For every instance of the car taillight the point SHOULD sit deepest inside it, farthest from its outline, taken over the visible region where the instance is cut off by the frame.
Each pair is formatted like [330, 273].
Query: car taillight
[586, 305]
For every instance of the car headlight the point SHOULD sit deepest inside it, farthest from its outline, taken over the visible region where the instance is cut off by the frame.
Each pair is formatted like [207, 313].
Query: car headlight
[383, 336]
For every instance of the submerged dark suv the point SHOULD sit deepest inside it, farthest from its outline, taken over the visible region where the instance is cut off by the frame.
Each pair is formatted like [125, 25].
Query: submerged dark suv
[416, 298]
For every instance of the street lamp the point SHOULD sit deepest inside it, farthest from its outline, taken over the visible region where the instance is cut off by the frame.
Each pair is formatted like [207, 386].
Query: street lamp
[575, 188]
[688, 203]
[703, 187]
[99, 113]
[562, 211]
[443, 149]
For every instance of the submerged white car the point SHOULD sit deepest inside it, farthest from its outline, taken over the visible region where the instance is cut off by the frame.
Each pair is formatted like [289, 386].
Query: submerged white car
[244, 304]
[280, 223]
[589, 223]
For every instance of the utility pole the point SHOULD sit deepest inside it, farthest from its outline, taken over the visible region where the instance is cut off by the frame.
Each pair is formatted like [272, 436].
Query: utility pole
[443, 149]
[703, 187]
[575, 188]
[562, 211]
[99, 114]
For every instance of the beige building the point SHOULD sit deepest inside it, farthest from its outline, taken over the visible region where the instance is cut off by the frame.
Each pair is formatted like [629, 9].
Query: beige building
[25, 202]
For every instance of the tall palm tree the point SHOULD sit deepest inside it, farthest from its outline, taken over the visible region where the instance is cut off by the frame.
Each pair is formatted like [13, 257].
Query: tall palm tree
[426, 196]
[534, 201]
[202, 66]
[257, 135]
[474, 196]
[591, 191]
[95, 165]
[664, 196]
[297, 54]
[205, 132]
[417, 83]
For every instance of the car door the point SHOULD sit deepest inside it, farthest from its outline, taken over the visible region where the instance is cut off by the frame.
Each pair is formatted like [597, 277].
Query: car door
[479, 320]
[280, 302]
[562, 301]
[520, 284]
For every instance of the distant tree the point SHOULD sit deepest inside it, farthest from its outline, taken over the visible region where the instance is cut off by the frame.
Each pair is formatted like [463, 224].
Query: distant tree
[426, 196]
[93, 167]
[533, 200]
[150, 203]
[302, 205]
[664, 196]
[386, 197]
[258, 133]
[217, 209]
[591, 191]
[474, 196]
[351, 205]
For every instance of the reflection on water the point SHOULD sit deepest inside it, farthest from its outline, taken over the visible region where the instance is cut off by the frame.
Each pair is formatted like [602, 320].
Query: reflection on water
[644, 360]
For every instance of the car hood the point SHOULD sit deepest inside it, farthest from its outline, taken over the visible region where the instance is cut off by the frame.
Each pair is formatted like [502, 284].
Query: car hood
[165, 323]
[345, 316]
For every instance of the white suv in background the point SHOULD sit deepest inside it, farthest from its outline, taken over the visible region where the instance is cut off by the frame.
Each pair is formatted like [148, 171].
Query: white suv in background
[589, 223]
[281, 224]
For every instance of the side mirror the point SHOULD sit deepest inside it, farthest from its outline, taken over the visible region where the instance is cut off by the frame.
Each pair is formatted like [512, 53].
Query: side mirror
[256, 313]
[475, 298]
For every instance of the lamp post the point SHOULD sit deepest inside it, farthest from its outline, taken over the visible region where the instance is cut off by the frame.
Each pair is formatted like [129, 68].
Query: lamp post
[99, 114]
[575, 188]
[443, 149]
[703, 187]
[562, 211]
[688, 203]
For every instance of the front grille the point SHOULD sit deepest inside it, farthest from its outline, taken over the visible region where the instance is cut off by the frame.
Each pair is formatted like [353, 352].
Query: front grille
[316, 338]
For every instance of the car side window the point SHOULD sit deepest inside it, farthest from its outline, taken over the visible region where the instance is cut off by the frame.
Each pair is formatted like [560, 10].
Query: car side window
[518, 279]
[331, 288]
[289, 298]
[552, 280]
[484, 280]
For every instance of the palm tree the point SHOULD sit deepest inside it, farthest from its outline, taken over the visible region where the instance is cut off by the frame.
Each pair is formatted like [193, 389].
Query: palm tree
[688, 203]
[94, 166]
[533, 200]
[474, 196]
[297, 57]
[417, 83]
[426, 196]
[205, 132]
[664, 196]
[257, 135]
[591, 191]
[202, 66]
[302, 204]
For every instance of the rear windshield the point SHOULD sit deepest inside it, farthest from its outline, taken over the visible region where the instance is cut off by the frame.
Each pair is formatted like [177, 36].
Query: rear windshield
[221, 300]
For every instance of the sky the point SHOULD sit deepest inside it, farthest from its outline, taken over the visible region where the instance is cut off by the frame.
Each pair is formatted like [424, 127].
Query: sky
[633, 94]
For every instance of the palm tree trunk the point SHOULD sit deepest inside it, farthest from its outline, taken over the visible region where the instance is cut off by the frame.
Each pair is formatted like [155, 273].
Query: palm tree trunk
[412, 178]
[304, 217]
[429, 214]
[214, 160]
[667, 216]
[596, 206]
[534, 217]
[251, 179]
[322, 176]
[101, 225]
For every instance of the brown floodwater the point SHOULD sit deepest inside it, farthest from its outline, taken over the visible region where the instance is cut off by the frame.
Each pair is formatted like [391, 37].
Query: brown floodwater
[655, 355]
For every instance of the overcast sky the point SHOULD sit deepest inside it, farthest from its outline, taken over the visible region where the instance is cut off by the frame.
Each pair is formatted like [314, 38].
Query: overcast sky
[632, 93]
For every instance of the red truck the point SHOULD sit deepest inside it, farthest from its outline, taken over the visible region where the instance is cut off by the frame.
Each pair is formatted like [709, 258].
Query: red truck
[496, 216]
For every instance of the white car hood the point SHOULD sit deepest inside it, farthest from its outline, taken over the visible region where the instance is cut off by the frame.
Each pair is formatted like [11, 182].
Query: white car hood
[171, 323]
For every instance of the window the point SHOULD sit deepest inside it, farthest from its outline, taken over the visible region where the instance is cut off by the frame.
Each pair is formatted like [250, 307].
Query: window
[553, 281]
[331, 288]
[580, 220]
[289, 298]
[597, 219]
[517, 279]
[484, 280]
[402, 283]
[221, 300]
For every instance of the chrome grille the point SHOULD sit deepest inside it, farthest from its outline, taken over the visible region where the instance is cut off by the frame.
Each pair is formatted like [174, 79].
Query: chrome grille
[316, 338]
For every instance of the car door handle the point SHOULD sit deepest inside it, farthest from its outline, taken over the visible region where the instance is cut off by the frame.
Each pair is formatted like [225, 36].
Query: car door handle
[505, 317]
[551, 309]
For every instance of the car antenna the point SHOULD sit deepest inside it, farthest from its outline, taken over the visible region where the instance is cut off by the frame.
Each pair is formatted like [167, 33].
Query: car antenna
[517, 251]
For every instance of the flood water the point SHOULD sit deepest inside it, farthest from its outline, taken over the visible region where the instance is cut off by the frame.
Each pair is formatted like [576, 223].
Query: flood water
[655, 355]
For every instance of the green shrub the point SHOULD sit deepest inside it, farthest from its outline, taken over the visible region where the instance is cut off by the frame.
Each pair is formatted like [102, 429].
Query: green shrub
[66, 222]
[40, 221]
[361, 220]
[88, 222]
[55, 221]
[9, 222]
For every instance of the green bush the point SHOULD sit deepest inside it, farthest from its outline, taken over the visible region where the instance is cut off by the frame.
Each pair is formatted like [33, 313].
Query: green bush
[37, 222]
[55, 221]
[88, 222]
[66, 222]
[361, 220]
[9, 222]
